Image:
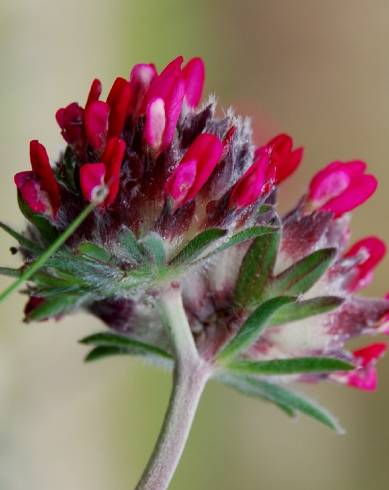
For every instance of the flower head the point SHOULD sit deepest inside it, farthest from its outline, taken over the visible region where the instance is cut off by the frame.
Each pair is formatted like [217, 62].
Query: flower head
[190, 204]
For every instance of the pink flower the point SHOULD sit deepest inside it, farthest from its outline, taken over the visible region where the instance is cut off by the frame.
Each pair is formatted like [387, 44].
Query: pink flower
[96, 124]
[257, 181]
[369, 252]
[107, 172]
[94, 92]
[340, 187]
[118, 100]
[364, 377]
[70, 120]
[140, 80]
[39, 187]
[285, 159]
[194, 169]
[163, 106]
[194, 74]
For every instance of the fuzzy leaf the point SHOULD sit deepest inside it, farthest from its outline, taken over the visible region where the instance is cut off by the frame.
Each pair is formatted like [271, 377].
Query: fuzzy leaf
[306, 309]
[302, 275]
[256, 269]
[154, 248]
[23, 241]
[112, 343]
[129, 243]
[42, 224]
[276, 367]
[253, 327]
[94, 251]
[282, 397]
[8, 271]
[197, 246]
[244, 236]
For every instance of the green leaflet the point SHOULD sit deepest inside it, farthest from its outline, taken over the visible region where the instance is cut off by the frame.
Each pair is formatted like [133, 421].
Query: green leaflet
[277, 367]
[8, 271]
[23, 241]
[282, 397]
[43, 225]
[256, 269]
[107, 343]
[47, 253]
[302, 275]
[154, 248]
[94, 251]
[131, 247]
[253, 327]
[244, 236]
[305, 309]
[197, 246]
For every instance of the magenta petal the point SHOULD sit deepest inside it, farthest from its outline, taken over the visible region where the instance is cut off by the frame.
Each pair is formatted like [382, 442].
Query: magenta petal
[70, 120]
[173, 107]
[91, 179]
[140, 80]
[32, 193]
[333, 179]
[370, 353]
[250, 186]
[356, 194]
[181, 180]
[41, 167]
[94, 92]
[207, 150]
[371, 251]
[365, 379]
[155, 123]
[194, 74]
[96, 124]
[113, 158]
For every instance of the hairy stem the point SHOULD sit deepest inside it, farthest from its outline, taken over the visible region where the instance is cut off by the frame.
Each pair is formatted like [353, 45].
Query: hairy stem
[189, 379]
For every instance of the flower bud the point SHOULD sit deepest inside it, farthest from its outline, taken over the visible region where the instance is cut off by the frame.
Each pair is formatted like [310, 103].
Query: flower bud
[340, 187]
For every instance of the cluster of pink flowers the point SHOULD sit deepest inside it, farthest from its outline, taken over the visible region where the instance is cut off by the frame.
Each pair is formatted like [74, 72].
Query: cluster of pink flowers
[174, 169]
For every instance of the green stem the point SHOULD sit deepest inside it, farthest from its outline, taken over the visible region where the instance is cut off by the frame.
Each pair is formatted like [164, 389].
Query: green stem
[189, 379]
[41, 260]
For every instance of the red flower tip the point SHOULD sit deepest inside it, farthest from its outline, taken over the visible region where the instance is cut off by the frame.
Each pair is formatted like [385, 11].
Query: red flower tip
[170, 87]
[96, 123]
[194, 74]
[340, 187]
[118, 99]
[94, 92]
[364, 377]
[39, 188]
[195, 168]
[371, 251]
[285, 159]
[92, 179]
[140, 80]
[113, 158]
[370, 353]
[257, 180]
[70, 120]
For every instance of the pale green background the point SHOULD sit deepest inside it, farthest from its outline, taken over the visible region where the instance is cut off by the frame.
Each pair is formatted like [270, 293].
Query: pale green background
[319, 70]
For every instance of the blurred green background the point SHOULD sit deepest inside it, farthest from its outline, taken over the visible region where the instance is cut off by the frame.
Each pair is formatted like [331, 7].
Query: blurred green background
[318, 70]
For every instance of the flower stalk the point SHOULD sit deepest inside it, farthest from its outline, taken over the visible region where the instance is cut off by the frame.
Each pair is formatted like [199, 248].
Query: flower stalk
[190, 376]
